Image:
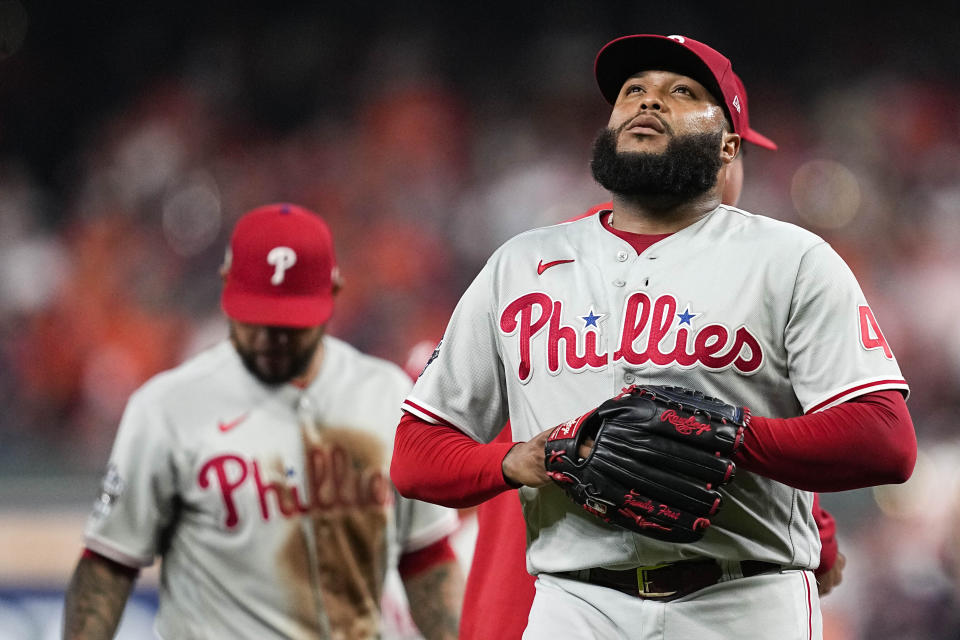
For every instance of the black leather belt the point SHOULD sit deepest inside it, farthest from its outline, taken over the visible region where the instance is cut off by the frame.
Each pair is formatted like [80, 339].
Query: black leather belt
[666, 582]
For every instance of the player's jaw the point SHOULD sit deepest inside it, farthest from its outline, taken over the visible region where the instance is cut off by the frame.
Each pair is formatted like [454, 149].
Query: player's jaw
[686, 168]
[275, 355]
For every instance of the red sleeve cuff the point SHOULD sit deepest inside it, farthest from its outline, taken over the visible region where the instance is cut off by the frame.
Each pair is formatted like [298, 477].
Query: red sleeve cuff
[133, 572]
[415, 562]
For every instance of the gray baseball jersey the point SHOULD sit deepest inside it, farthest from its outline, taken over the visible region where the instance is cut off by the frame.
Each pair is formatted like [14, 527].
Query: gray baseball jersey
[755, 311]
[271, 506]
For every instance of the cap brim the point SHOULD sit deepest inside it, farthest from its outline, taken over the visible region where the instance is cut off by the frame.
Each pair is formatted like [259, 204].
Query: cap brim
[629, 55]
[759, 139]
[273, 311]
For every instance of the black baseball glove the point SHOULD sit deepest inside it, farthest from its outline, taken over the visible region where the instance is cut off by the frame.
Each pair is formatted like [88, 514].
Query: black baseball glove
[659, 454]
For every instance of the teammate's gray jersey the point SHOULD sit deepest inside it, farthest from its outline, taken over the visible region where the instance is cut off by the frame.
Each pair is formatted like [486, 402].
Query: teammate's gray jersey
[271, 506]
[758, 312]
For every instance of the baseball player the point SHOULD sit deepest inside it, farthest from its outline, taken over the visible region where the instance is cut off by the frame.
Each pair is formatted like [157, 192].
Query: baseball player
[668, 286]
[258, 471]
[498, 580]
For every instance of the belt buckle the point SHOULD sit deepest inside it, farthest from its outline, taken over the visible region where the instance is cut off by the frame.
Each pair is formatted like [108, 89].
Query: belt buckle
[644, 582]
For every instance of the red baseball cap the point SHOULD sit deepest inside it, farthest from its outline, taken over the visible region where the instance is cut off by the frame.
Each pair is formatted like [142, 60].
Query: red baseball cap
[621, 58]
[280, 269]
[748, 134]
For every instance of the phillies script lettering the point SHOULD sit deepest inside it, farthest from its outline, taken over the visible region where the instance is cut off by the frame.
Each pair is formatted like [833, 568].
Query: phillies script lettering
[684, 426]
[647, 336]
[334, 483]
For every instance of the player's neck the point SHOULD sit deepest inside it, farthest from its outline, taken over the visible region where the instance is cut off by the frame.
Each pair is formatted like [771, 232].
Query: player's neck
[636, 216]
[310, 374]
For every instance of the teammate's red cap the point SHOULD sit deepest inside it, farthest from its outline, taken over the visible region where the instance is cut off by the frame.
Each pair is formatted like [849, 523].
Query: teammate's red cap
[280, 269]
[749, 134]
[621, 58]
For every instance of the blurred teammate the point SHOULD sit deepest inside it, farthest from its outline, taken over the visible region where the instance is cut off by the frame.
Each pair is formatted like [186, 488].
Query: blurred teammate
[258, 471]
[668, 286]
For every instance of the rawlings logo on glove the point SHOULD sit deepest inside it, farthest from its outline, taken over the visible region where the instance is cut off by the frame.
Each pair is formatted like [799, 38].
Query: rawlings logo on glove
[684, 426]
[658, 456]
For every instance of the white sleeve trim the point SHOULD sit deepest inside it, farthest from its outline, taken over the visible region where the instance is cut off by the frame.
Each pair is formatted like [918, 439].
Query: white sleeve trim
[107, 550]
[426, 412]
[834, 397]
[434, 532]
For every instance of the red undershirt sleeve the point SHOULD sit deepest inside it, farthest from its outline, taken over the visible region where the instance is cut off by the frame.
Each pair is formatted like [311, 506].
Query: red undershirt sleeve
[861, 443]
[439, 464]
[864, 442]
[414, 562]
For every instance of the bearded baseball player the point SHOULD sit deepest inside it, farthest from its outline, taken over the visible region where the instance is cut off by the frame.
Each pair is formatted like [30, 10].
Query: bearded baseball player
[684, 374]
[258, 471]
[498, 581]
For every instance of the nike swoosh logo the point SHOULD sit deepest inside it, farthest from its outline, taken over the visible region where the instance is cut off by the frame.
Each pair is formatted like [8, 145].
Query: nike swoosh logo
[227, 426]
[541, 267]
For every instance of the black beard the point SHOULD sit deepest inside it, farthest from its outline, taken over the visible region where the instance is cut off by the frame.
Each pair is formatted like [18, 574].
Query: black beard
[687, 168]
[296, 365]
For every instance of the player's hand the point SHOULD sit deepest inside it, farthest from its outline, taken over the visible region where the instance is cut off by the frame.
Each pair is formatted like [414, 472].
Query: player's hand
[832, 578]
[524, 463]
[585, 448]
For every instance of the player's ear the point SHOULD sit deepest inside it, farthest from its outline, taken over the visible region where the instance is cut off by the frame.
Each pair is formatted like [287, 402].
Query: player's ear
[225, 265]
[337, 280]
[729, 147]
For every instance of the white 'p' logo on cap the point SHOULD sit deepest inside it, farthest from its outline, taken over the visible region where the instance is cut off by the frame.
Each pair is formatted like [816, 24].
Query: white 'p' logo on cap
[679, 39]
[282, 258]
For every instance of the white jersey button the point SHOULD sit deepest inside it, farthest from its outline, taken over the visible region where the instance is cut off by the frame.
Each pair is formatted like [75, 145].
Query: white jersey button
[619, 283]
[622, 256]
[306, 411]
[629, 378]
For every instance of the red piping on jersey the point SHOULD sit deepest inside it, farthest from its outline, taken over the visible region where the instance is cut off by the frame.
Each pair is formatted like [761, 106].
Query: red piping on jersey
[867, 385]
[431, 414]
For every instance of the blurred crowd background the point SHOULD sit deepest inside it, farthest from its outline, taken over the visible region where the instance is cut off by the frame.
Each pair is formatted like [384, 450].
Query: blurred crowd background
[133, 135]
